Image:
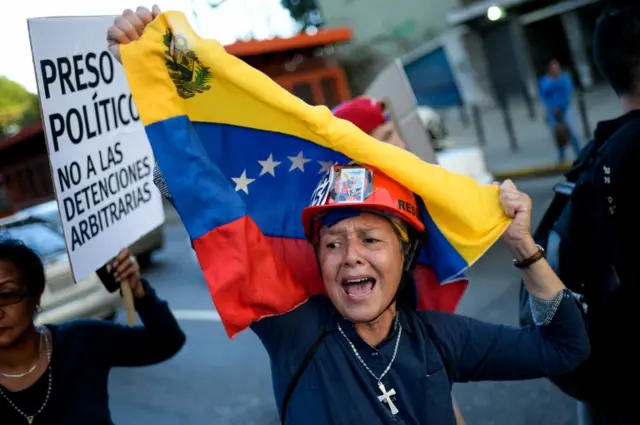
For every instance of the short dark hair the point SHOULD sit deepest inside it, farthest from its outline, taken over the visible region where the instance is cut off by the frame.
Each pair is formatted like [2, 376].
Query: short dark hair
[27, 262]
[616, 49]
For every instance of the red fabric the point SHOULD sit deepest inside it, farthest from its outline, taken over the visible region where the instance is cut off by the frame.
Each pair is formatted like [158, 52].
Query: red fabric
[434, 296]
[366, 113]
[240, 267]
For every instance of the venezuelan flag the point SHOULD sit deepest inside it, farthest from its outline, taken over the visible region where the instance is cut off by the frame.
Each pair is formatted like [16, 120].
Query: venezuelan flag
[241, 157]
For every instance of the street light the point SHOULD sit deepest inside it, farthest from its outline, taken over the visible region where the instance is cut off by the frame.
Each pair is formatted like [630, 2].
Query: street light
[495, 13]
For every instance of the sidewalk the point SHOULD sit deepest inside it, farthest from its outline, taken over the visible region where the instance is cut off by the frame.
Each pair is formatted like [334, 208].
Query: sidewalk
[537, 154]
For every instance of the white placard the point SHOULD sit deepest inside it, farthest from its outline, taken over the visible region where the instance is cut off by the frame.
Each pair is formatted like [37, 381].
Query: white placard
[101, 160]
[392, 85]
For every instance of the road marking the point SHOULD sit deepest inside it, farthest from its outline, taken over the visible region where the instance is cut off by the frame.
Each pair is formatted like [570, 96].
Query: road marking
[209, 315]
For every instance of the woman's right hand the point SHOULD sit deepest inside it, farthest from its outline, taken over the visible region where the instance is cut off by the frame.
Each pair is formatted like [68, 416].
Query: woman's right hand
[129, 27]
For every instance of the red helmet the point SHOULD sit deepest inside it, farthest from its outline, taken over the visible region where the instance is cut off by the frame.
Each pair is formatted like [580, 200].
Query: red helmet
[366, 113]
[362, 187]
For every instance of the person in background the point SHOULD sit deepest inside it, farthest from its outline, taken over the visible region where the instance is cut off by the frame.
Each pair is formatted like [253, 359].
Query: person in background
[368, 114]
[556, 94]
[58, 374]
[610, 214]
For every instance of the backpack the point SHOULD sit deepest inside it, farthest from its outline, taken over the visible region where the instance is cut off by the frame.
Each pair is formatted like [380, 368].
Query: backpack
[571, 246]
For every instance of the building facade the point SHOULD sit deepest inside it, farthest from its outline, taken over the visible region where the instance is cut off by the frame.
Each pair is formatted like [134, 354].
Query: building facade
[508, 54]
[383, 30]
[516, 44]
[392, 27]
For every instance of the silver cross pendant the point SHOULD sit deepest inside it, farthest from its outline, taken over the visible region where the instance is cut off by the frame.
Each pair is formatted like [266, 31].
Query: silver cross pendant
[386, 398]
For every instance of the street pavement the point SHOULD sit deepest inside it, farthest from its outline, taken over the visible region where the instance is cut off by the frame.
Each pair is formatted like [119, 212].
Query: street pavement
[537, 148]
[214, 380]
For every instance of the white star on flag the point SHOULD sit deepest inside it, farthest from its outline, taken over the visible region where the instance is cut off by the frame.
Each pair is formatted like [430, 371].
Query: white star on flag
[269, 166]
[242, 182]
[298, 162]
[325, 166]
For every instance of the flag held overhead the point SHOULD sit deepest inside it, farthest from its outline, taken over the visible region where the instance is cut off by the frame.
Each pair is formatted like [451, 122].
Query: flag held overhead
[242, 156]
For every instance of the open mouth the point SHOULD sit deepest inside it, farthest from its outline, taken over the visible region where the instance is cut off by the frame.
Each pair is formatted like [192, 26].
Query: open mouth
[358, 287]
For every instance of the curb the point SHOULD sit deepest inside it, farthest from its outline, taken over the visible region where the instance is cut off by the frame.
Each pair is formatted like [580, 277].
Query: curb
[539, 171]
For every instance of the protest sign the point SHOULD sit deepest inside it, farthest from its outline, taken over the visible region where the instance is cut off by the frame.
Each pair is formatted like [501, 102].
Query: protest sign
[391, 85]
[101, 160]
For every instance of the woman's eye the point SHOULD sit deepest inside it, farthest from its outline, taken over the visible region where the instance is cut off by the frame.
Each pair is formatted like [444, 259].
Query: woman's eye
[370, 240]
[332, 245]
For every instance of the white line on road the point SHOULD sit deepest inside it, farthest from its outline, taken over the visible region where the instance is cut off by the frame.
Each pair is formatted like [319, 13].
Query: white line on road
[197, 315]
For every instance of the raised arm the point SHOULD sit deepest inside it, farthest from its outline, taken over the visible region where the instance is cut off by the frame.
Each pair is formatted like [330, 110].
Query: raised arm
[479, 351]
[157, 339]
[558, 343]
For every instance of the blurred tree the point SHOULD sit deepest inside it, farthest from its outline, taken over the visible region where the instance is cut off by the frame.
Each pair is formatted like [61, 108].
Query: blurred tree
[18, 107]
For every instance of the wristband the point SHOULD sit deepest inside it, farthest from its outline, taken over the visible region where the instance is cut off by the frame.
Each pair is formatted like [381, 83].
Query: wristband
[523, 264]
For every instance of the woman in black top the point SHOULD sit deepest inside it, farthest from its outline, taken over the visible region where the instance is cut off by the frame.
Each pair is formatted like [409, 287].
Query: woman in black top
[57, 374]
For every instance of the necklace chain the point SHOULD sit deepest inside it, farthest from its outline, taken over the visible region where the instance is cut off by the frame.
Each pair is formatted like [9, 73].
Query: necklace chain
[21, 375]
[30, 418]
[397, 326]
[33, 367]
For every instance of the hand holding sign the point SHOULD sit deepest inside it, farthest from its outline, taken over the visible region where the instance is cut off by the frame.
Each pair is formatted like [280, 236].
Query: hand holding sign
[129, 27]
[125, 270]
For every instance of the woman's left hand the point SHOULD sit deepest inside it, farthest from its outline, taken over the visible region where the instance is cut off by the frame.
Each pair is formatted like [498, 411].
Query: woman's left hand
[516, 205]
[125, 268]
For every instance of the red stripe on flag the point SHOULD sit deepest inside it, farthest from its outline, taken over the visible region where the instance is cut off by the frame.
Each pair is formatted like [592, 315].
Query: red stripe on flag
[301, 259]
[247, 279]
[434, 296]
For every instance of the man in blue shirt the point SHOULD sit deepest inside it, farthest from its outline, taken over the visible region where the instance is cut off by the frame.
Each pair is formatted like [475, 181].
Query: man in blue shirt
[556, 93]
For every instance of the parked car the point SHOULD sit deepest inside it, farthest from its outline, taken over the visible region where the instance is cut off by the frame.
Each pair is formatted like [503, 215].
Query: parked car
[62, 299]
[467, 160]
[143, 249]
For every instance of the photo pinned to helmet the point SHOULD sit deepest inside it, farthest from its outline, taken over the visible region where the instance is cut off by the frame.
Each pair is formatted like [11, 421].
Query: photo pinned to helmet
[352, 184]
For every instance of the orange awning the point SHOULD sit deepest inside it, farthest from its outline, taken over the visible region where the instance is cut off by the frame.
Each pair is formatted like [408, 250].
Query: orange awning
[258, 47]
